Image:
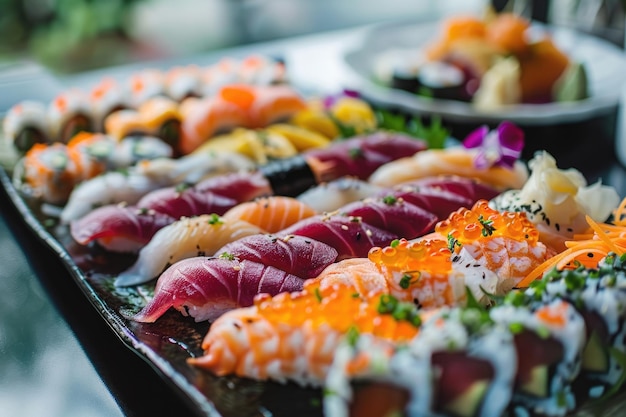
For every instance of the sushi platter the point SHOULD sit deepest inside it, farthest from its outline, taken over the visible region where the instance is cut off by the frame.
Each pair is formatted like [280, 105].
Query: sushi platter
[269, 253]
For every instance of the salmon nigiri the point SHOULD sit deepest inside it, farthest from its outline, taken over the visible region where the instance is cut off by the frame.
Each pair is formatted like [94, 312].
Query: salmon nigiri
[294, 336]
[271, 213]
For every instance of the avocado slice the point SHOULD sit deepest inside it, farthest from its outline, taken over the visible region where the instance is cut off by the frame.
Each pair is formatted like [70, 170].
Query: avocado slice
[572, 85]
[537, 384]
[468, 404]
[595, 355]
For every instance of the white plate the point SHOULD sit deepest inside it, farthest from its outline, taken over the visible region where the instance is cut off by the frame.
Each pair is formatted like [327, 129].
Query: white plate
[604, 62]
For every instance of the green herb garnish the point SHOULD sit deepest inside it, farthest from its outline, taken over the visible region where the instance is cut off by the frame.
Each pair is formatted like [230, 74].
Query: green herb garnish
[487, 225]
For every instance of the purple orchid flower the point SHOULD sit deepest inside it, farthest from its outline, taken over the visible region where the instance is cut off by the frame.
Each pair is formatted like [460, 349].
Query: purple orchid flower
[330, 101]
[500, 147]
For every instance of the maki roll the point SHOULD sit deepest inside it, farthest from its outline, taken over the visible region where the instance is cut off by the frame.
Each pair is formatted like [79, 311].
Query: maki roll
[261, 70]
[549, 338]
[146, 84]
[26, 124]
[457, 365]
[68, 114]
[183, 82]
[107, 97]
[599, 294]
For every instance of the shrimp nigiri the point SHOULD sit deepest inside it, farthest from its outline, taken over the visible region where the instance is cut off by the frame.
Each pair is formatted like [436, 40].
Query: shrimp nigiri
[185, 238]
[294, 336]
[267, 264]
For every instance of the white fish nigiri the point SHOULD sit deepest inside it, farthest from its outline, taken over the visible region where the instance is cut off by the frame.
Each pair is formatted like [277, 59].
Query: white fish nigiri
[188, 237]
[330, 196]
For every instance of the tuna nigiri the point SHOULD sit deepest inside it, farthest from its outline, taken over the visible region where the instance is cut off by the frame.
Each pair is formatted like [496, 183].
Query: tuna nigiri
[350, 236]
[266, 260]
[185, 238]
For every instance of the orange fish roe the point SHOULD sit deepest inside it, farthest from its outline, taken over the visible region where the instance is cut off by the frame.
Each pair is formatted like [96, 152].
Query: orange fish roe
[467, 225]
[337, 307]
[426, 255]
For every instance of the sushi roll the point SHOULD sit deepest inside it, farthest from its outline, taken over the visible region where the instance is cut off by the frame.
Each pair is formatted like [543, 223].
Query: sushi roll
[330, 196]
[261, 70]
[107, 97]
[69, 113]
[48, 173]
[183, 82]
[26, 124]
[157, 116]
[457, 365]
[549, 338]
[599, 294]
[218, 75]
[146, 84]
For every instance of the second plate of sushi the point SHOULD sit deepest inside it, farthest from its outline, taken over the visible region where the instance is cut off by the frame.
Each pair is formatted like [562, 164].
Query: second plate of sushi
[489, 68]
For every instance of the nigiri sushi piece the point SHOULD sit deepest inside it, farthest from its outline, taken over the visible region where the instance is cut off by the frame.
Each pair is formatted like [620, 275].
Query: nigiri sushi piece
[107, 97]
[206, 117]
[331, 195]
[482, 238]
[133, 149]
[421, 273]
[272, 104]
[271, 213]
[118, 224]
[25, 124]
[184, 238]
[350, 236]
[438, 201]
[68, 114]
[118, 227]
[183, 200]
[557, 201]
[267, 264]
[469, 188]
[450, 161]
[226, 284]
[130, 185]
[394, 215]
[287, 253]
[360, 156]
[293, 336]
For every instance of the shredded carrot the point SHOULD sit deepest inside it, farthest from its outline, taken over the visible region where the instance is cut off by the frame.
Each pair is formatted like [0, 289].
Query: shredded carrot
[587, 249]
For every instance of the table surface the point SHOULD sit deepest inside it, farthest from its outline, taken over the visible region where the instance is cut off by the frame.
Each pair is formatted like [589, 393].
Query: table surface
[60, 358]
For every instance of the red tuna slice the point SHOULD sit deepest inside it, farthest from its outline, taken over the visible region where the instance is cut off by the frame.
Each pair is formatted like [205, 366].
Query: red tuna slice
[393, 215]
[180, 201]
[240, 186]
[467, 187]
[362, 155]
[457, 373]
[205, 288]
[119, 228]
[297, 255]
[350, 236]
[435, 200]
